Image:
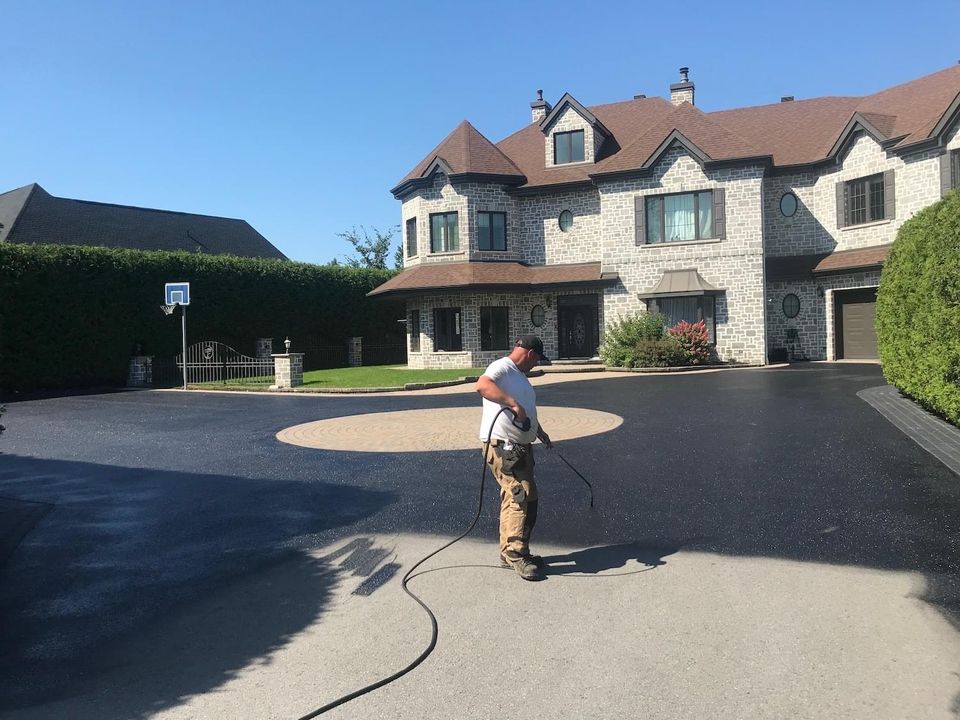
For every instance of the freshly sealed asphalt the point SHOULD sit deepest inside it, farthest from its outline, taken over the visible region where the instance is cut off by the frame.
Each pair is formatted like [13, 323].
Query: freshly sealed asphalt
[161, 500]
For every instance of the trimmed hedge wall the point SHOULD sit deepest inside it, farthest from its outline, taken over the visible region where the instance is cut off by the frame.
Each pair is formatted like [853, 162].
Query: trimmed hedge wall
[72, 316]
[918, 309]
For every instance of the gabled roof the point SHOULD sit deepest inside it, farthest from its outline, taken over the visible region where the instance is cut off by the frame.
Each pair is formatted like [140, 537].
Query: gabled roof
[566, 101]
[512, 276]
[789, 134]
[703, 137]
[33, 216]
[463, 152]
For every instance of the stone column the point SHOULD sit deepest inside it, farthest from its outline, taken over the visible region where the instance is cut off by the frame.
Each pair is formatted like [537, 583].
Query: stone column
[355, 352]
[264, 347]
[287, 370]
[140, 373]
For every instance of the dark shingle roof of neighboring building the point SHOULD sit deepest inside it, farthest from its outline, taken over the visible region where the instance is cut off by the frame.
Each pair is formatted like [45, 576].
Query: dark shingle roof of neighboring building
[513, 276]
[797, 133]
[31, 215]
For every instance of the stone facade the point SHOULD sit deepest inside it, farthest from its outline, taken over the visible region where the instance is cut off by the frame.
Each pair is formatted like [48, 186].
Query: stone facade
[734, 264]
[814, 228]
[519, 323]
[749, 315]
[542, 242]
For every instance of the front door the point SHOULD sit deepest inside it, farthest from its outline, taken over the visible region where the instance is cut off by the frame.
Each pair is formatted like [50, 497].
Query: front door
[577, 326]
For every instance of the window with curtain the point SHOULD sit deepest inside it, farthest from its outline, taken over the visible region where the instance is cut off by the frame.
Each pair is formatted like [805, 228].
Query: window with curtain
[491, 231]
[568, 147]
[955, 168]
[444, 232]
[447, 329]
[414, 331]
[679, 217]
[692, 308]
[493, 328]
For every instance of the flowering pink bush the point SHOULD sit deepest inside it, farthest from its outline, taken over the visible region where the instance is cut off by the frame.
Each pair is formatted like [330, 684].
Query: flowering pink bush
[694, 341]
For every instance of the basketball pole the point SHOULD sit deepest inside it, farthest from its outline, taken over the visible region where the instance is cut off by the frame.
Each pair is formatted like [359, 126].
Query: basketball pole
[183, 319]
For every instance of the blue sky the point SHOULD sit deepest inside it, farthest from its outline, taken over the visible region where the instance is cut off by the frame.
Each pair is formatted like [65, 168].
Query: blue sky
[300, 116]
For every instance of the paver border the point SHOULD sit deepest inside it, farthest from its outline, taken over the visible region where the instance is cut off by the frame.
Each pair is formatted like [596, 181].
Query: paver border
[936, 436]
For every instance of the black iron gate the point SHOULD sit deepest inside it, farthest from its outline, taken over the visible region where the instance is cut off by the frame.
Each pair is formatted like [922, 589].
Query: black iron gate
[211, 362]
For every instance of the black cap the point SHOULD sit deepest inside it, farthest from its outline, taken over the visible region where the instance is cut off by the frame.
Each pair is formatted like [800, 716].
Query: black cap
[532, 342]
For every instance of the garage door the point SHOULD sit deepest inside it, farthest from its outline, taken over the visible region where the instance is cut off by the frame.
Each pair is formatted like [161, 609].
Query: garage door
[858, 312]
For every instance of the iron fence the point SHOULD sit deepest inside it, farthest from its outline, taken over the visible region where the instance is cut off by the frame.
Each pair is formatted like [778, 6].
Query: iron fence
[211, 362]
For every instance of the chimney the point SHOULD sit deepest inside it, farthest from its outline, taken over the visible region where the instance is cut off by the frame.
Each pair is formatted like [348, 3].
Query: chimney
[787, 98]
[683, 90]
[639, 97]
[540, 107]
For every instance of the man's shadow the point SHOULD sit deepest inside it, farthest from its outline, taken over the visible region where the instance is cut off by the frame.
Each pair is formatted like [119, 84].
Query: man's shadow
[596, 560]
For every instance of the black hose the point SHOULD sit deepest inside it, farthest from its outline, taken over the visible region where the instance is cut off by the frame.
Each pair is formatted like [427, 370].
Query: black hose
[433, 620]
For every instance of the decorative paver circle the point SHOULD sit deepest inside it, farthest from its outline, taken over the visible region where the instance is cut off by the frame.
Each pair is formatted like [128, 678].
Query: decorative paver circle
[434, 429]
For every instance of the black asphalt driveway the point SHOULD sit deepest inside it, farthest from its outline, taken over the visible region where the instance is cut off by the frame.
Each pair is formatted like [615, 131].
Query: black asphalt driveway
[157, 499]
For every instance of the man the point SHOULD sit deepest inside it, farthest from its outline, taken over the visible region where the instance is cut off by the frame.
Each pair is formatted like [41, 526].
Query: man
[510, 455]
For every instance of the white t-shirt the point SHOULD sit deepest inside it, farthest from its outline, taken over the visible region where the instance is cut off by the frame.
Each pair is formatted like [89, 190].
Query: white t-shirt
[505, 373]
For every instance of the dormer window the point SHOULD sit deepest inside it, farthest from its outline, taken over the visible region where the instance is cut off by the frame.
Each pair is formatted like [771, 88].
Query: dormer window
[568, 147]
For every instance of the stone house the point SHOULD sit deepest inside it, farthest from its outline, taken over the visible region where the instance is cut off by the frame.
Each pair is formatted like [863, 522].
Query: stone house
[770, 223]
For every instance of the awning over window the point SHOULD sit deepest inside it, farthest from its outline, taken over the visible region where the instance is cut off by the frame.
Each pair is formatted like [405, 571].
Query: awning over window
[681, 282]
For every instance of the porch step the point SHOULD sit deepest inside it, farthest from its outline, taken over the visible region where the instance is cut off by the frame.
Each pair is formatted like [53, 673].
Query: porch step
[578, 361]
[574, 366]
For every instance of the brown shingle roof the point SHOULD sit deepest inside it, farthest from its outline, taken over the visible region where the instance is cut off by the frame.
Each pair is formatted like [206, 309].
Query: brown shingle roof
[791, 133]
[505, 275]
[707, 134]
[465, 150]
[853, 259]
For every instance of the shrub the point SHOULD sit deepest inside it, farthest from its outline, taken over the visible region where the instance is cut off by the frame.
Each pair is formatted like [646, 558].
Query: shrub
[639, 340]
[694, 341]
[918, 308]
[657, 353]
[71, 316]
[622, 335]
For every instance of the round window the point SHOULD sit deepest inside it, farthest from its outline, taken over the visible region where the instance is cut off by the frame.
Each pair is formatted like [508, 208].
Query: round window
[566, 220]
[788, 204]
[537, 315]
[791, 306]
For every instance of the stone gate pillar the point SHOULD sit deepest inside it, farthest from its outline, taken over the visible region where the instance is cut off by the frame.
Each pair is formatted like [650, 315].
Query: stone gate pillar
[287, 371]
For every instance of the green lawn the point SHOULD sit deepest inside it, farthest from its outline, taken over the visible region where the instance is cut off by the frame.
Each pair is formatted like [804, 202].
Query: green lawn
[381, 376]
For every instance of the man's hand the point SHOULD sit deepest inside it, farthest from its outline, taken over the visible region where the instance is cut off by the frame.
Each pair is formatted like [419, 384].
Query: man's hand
[519, 412]
[544, 438]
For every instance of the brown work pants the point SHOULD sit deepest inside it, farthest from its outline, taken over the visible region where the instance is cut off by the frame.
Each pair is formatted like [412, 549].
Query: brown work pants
[516, 518]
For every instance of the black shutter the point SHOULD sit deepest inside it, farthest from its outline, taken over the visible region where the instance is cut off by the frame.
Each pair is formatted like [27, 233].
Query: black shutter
[841, 204]
[639, 220]
[719, 213]
[889, 196]
[946, 173]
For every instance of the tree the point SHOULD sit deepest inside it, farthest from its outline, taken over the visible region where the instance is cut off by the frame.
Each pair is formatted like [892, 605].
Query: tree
[371, 252]
[398, 257]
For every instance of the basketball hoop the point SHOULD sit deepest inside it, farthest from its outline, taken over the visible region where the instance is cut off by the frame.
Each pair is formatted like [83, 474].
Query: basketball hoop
[168, 309]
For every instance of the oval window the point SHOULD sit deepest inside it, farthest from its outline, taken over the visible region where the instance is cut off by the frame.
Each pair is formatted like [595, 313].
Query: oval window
[566, 220]
[791, 306]
[788, 204]
[537, 315]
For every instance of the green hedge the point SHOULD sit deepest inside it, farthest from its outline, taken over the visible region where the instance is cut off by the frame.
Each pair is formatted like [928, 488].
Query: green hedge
[918, 309]
[72, 316]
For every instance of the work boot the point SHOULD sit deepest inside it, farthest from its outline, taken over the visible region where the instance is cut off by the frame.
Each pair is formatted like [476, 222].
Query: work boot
[524, 567]
[536, 560]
